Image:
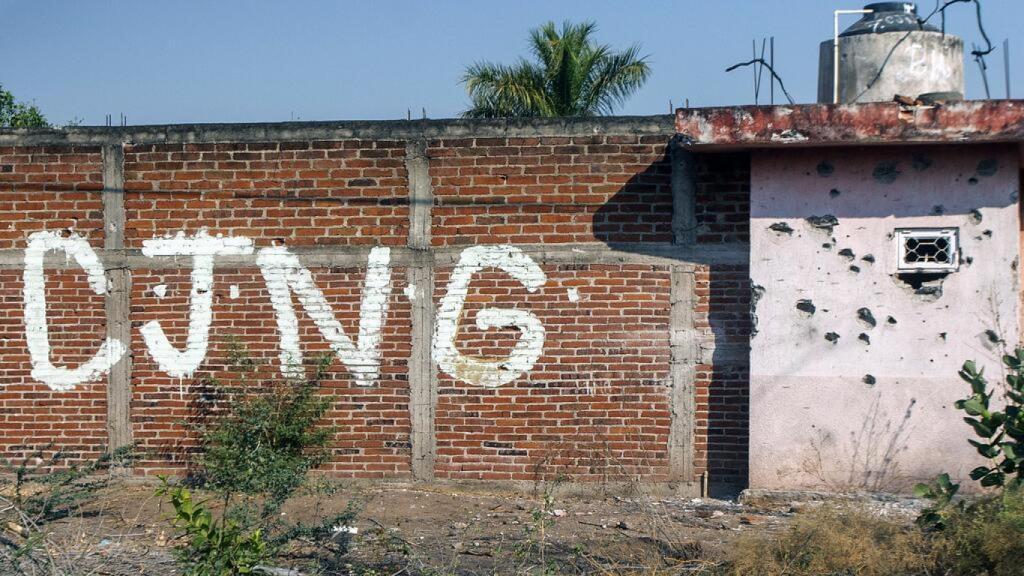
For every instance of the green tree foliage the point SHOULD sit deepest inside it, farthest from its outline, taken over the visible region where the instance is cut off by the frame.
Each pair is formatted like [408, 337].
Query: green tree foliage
[572, 76]
[15, 114]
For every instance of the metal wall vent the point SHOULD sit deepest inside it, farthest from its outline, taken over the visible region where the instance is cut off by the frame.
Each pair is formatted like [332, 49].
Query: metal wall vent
[927, 249]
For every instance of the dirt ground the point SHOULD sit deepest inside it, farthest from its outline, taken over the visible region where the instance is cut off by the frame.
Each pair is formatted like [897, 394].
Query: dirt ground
[415, 529]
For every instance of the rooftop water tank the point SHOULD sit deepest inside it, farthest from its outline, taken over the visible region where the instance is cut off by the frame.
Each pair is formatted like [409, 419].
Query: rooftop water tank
[914, 59]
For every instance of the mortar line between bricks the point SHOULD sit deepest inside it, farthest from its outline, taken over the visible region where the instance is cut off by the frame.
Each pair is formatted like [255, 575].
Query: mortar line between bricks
[117, 303]
[662, 254]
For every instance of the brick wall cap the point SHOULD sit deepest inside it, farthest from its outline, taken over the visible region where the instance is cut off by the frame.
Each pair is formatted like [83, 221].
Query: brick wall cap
[340, 130]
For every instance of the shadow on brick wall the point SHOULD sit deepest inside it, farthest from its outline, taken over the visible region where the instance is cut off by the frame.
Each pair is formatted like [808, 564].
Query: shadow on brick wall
[637, 218]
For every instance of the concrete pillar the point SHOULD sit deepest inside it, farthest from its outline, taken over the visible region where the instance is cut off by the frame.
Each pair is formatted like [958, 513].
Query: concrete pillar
[422, 370]
[684, 344]
[117, 304]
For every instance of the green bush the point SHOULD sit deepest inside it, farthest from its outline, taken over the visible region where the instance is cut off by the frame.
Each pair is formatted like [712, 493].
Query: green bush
[268, 440]
[42, 488]
[256, 455]
[832, 541]
[1002, 431]
[985, 538]
[212, 547]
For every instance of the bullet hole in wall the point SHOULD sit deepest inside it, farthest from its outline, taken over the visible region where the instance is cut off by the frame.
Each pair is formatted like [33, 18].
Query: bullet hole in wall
[864, 338]
[806, 306]
[781, 228]
[920, 162]
[834, 193]
[847, 253]
[832, 337]
[869, 258]
[886, 172]
[756, 293]
[988, 167]
[825, 169]
[975, 216]
[865, 316]
[825, 223]
[868, 379]
[925, 284]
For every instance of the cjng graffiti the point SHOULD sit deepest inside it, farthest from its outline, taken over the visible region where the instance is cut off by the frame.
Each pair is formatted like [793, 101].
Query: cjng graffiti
[284, 276]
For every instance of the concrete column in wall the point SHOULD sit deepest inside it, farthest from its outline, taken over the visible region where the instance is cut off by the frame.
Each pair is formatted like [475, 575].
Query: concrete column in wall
[685, 349]
[684, 192]
[684, 356]
[420, 276]
[117, 304]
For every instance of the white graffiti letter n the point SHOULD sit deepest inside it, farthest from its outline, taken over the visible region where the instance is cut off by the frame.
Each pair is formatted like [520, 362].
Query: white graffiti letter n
[284, 274]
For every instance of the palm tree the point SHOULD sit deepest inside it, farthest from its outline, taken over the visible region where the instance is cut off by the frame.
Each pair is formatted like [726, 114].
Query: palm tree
[572, 76]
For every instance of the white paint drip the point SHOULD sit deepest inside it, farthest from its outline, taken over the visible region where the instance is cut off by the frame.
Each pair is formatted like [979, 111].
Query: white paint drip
[233, 292]
[574, 294]
[410, 292]
[36, 328]
[478, 371]
[203, 248]
[284, 274]
[160, 290]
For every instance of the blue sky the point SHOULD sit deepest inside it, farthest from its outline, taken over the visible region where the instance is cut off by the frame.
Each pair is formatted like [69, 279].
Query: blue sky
[263, 60]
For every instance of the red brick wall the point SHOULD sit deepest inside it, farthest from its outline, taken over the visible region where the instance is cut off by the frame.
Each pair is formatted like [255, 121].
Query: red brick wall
[372, 423]
[350, 192]
[596, 403]
[551, 190]
[32, 416]
[50, 188]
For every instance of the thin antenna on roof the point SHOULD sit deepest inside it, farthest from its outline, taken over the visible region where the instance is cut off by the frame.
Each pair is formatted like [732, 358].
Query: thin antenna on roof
[771, 62]
[670, 107]
[424, 112]
[1006, 65]
[408, 113]
[758, 70]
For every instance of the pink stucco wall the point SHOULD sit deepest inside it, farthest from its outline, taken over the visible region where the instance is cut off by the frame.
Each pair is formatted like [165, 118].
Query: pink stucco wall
[872, 409]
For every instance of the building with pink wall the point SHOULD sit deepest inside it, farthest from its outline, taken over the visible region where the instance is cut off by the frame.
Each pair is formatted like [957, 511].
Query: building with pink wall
[884, 252]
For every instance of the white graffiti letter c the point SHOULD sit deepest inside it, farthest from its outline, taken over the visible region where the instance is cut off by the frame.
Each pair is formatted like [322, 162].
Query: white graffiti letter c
[36, 328]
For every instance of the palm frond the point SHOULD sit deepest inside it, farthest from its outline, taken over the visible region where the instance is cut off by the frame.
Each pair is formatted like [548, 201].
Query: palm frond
[571, 76]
